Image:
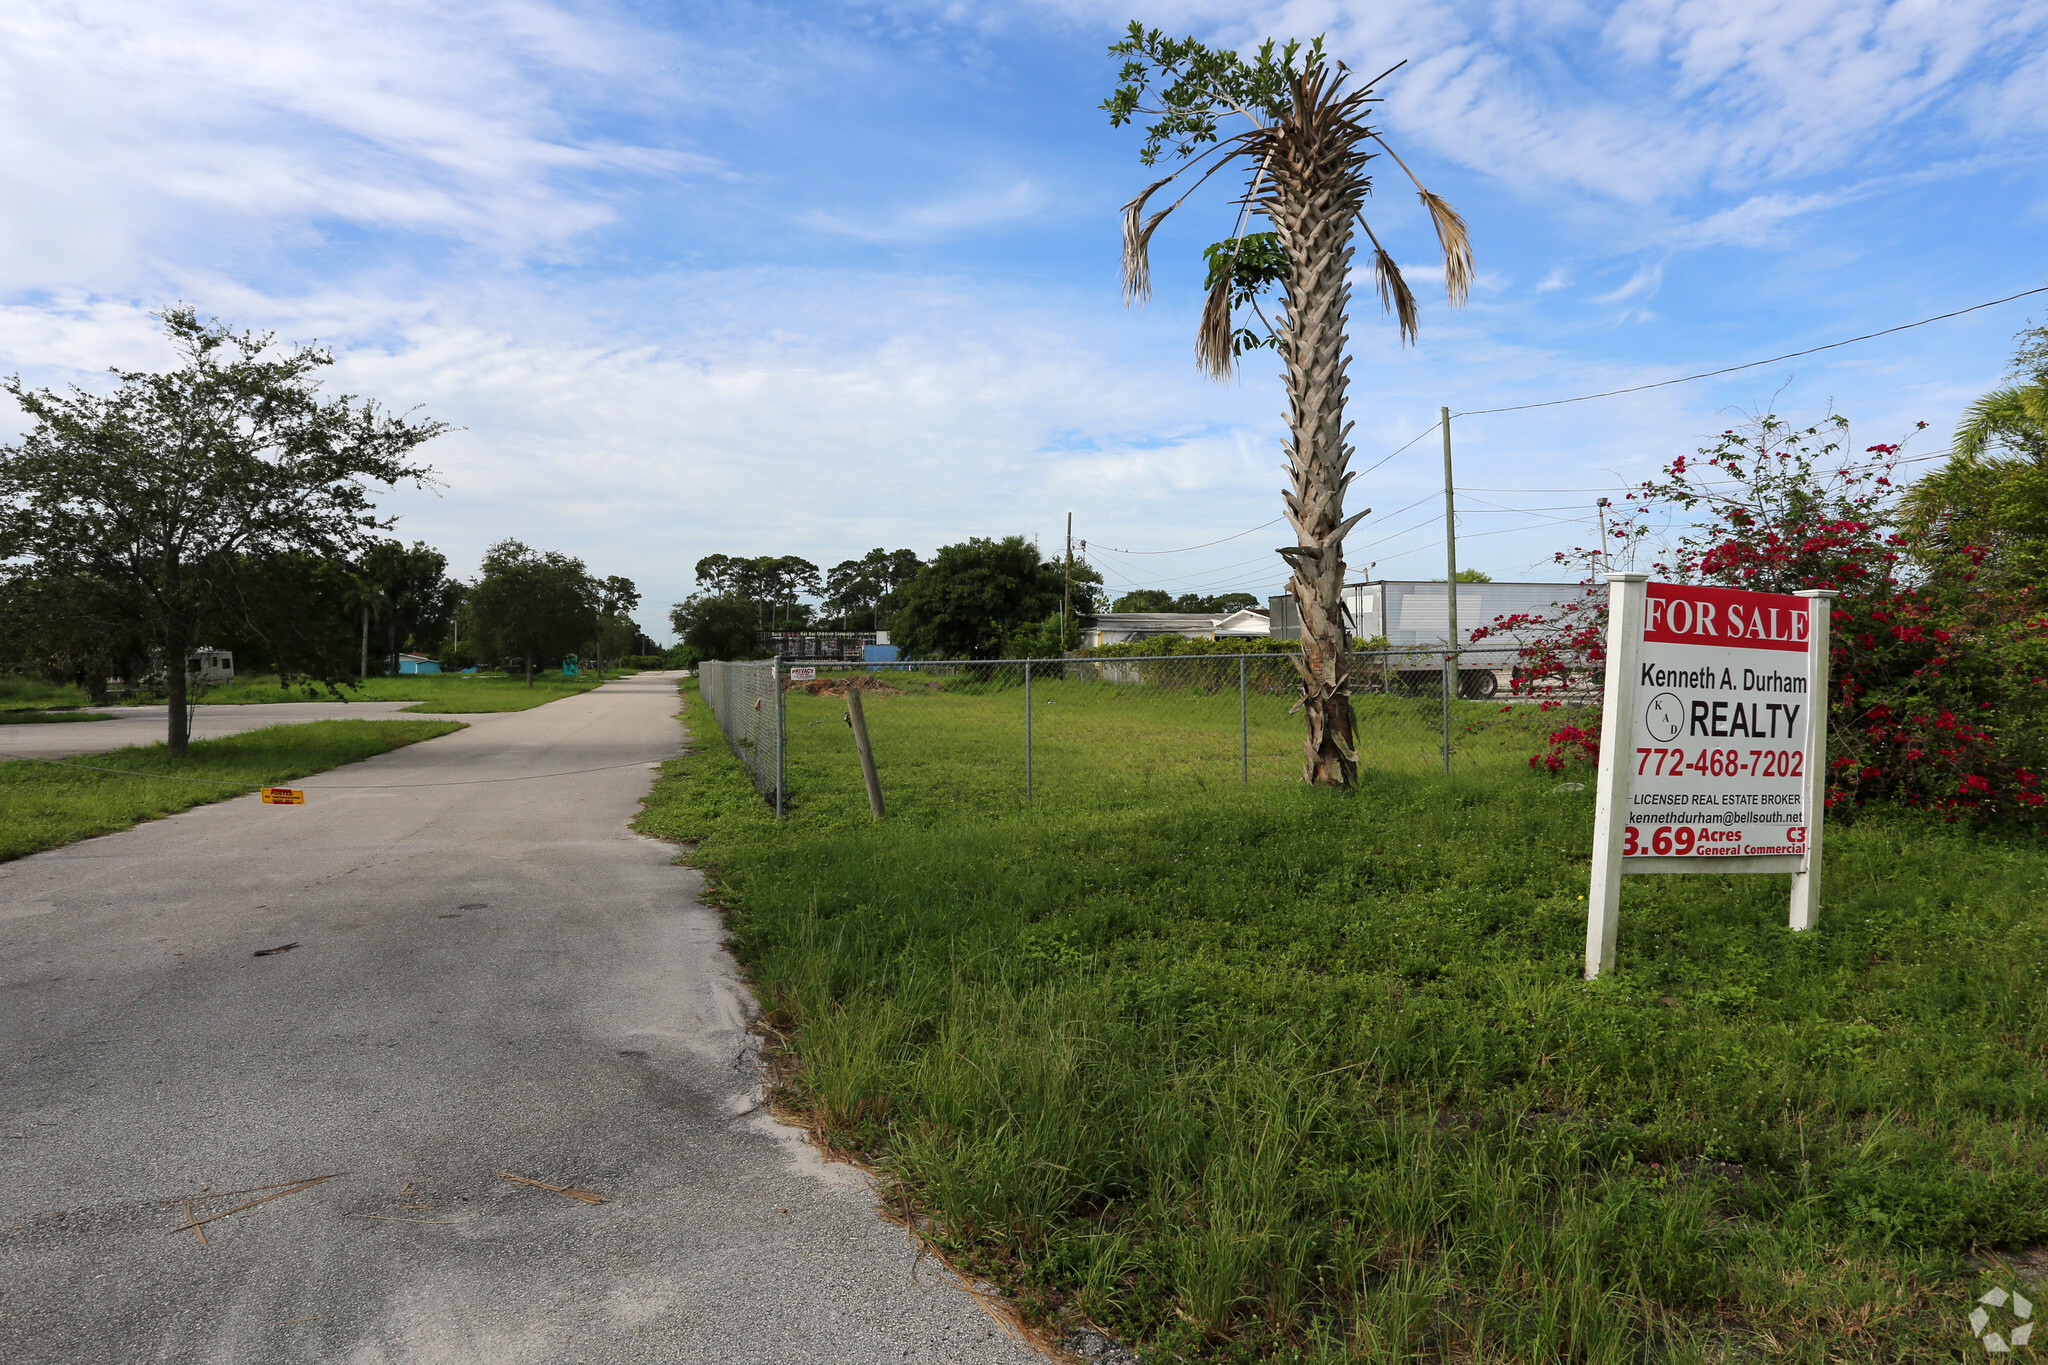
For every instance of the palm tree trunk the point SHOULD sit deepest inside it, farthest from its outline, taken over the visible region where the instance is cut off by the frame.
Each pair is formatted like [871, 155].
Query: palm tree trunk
[1315, 192]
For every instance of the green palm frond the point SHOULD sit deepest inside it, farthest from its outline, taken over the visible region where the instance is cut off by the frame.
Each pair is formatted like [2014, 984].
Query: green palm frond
[2016, 415]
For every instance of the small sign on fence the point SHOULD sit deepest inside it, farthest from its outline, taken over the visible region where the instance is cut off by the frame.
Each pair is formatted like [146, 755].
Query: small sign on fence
[803, 675]
[1713, 742]
[283, 796]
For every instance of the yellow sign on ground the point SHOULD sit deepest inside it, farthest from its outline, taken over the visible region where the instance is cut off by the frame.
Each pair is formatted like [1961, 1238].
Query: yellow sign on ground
[283, 796]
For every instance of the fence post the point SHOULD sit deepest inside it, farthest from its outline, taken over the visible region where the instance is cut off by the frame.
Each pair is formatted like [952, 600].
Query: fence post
[775, 680]
[1244, 748]
[859, 721]
[1027, 729]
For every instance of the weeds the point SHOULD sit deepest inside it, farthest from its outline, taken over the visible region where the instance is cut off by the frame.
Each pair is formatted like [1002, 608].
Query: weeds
[1273, 1073]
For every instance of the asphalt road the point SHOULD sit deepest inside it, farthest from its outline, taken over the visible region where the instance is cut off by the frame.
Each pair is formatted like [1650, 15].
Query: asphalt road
[148, 725]
[489, 977]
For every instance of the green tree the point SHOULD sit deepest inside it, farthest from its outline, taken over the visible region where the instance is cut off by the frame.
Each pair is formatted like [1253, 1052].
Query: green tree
[1144, 599]
[538, 604]
[860, 593]
[714, 627]
[973, 597]
[617, 632]
[410, 595]
[158, 505]
[1305, 150]
[1992, 494]
[49, 627]
[776, 584]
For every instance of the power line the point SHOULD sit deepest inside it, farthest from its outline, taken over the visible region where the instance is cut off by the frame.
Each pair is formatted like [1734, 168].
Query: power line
[1612, 393]
[1750, 365]
[1111, 549]
[1398, 449]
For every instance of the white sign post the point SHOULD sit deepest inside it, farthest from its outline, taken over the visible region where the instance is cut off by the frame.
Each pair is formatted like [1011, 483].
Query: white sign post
[1713, 742]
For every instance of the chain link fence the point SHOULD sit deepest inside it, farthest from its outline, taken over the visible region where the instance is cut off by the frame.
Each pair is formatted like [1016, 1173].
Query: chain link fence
[746, 701]
[984, 734]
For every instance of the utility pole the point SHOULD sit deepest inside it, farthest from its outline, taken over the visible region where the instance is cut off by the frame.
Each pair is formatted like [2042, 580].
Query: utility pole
[363, 668]
[1067, 587]
[1450, 590]
[1600, 510]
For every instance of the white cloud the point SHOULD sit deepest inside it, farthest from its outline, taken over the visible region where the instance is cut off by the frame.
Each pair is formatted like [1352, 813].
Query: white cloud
[943, 217]
[1651, 99]
[129, 125]
[1644, 282]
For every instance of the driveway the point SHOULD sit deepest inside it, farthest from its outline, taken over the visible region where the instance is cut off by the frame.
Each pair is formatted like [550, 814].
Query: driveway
[148, 724]
[489, 977]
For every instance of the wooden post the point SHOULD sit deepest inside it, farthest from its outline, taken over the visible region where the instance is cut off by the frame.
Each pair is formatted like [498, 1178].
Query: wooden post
[859, 721]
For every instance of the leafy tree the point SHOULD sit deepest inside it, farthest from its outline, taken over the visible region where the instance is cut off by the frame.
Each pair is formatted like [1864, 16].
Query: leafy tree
[860, 592]
[156, 506]
[45, 628]
[1253, 264]
[1144, 599]
[1193, 603]
[775, 583]
[1305, 149]
[617, 632]
[714, 627]
[1993, 492]
[409, 593]
[973, 597]
[538, 604]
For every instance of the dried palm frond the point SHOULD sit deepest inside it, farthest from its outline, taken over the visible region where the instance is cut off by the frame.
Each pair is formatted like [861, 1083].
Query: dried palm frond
[1138, 236]
[1451, 234]
[1395, 296]
[1213, 337]
[1137, 241]
[1457, 245]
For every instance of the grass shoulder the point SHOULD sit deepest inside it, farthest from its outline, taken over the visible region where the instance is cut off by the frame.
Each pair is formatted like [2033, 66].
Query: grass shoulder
[1280, 1074]
[436, 693]
[44, 805]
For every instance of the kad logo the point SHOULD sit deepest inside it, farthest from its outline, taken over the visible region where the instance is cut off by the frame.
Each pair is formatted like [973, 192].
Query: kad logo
[2014, 1315]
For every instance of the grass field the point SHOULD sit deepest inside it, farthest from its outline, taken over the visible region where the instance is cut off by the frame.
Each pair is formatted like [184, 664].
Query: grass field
[17, 691]
[443, 693]
[43, 805]
[1277, 1074]
[953, 742]
[440, 693]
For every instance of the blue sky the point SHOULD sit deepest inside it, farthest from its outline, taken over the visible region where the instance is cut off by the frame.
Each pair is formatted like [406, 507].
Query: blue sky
[813, 278]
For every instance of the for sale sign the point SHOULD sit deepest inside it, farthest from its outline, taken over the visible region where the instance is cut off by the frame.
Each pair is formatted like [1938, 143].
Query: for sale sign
[1722, 709]
[1713, 741]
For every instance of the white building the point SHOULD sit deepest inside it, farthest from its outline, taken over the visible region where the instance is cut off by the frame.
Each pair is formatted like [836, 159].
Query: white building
[1412, 612]
[1120, 627]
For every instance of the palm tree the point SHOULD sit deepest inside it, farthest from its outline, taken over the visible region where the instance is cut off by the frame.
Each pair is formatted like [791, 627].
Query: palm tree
[2015, 416]
[1306, 150]
[1993, 492]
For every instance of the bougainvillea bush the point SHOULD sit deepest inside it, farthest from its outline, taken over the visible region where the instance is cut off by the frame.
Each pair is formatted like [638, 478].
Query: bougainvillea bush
[1939, 691]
